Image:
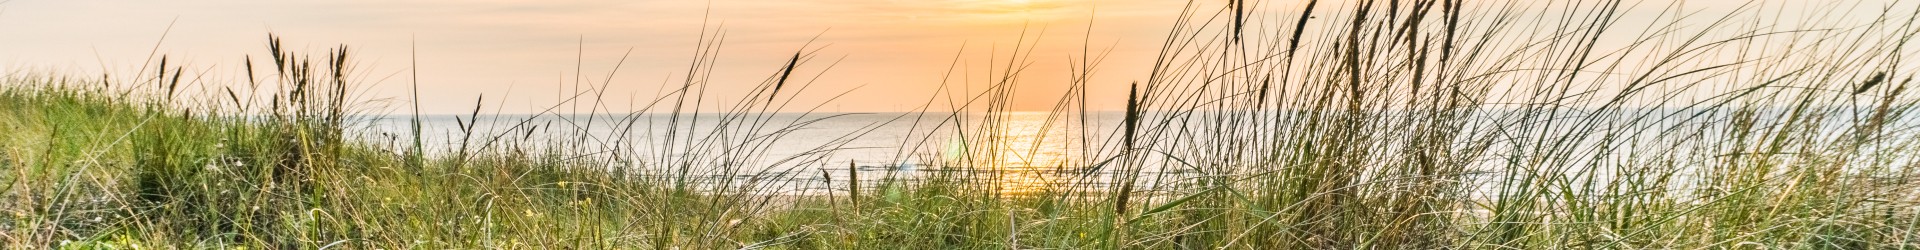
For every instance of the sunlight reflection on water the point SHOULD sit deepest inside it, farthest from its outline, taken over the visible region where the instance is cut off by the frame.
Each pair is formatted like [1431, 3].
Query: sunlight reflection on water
[1015, 152]
[1023, 152]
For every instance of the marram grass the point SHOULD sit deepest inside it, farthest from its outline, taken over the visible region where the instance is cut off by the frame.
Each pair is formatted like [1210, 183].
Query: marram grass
[1370, 124]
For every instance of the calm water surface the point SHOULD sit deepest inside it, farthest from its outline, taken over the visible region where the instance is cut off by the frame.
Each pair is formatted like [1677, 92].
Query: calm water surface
[1021, 152]
[1024, 151]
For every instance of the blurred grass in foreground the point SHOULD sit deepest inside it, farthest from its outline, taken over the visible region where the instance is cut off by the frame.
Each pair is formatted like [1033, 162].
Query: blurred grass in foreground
[1385, 124]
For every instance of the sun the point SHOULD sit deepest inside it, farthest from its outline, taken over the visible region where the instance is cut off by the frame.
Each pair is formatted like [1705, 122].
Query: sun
[1020, 4]
[1013, 2]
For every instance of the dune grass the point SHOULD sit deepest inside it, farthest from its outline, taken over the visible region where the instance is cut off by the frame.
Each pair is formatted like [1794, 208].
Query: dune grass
[1371, 124]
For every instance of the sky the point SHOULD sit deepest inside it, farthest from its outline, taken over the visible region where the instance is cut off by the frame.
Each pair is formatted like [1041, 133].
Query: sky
[885, 55]
[524, 56]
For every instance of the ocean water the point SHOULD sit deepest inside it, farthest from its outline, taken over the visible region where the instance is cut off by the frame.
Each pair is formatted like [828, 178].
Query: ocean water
[792, 152]
[1024, 152]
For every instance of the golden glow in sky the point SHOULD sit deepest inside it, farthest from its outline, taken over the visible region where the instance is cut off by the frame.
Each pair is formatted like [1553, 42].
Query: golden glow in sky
[887, 55]
[890, 54]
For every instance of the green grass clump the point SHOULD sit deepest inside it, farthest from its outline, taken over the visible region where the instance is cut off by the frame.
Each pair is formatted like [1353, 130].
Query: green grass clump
[1377, 124]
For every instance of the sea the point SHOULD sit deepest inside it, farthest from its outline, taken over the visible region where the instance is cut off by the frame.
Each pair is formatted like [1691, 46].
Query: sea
[1024, 152]
[788, 152]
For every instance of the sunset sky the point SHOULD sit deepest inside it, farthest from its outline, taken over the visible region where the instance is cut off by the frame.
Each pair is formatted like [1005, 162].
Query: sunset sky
[522, 54]
[891, 52]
